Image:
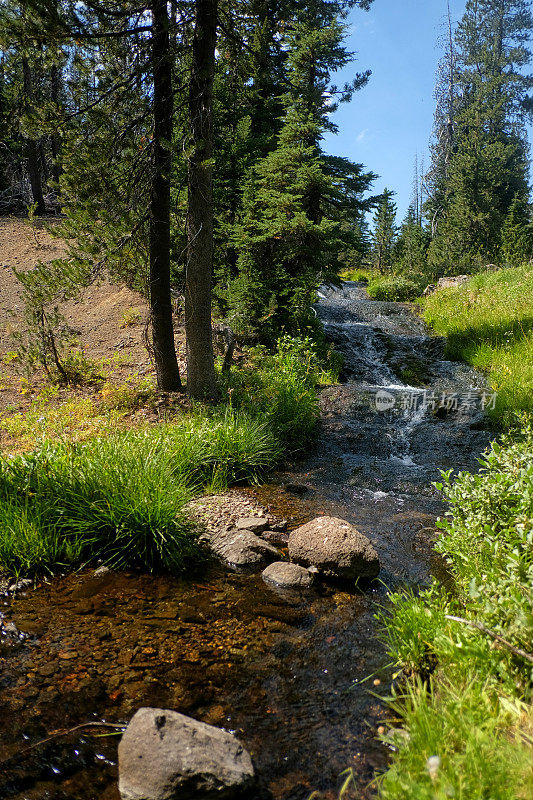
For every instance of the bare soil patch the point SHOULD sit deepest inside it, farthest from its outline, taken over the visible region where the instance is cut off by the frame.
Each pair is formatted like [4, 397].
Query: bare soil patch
[109, 321]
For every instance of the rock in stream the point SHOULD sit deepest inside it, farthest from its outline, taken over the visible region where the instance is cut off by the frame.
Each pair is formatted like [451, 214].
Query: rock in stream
[164, 755]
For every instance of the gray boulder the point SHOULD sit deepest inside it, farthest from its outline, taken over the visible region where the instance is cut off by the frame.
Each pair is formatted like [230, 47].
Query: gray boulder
[164, 755]
[335, 548]
[253, 524]
[243, 550]
[287, 576]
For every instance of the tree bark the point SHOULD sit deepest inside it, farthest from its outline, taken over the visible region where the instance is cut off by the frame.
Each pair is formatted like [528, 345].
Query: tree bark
[201, 382]
[55, 82]
[166, 363]
[31, 146]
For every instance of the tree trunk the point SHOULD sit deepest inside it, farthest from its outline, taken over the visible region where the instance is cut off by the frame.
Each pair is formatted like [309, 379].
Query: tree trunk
[31, 146]
[55, 82]
[166, 363]
[201, 382]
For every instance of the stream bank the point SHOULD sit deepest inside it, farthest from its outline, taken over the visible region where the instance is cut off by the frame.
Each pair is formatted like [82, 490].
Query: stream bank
[285, 672]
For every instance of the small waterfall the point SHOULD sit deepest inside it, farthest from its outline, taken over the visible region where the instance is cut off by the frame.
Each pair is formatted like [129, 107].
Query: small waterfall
[397, 416]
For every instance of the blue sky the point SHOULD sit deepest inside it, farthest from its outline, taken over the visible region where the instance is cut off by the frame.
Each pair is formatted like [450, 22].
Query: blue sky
[391, 119]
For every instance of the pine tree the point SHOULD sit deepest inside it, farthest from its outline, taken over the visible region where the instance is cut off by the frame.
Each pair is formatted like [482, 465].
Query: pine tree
[201, 380]
[486, 162]
[301, 209]
[410, 248]
[384, 233]
[517, 233]
[118, 132]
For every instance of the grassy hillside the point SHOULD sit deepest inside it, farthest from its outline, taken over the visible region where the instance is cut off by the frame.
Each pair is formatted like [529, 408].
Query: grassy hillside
[489, 324]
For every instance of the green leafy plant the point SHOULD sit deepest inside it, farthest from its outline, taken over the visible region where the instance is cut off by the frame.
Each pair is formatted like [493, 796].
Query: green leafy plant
[470, 734]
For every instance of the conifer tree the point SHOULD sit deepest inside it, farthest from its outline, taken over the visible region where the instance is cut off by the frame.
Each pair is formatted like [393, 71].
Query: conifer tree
[198, 275]
[410, 248]
[117, 158]
[486, 161]
[300, 208]
[384, 233]
[517, 233]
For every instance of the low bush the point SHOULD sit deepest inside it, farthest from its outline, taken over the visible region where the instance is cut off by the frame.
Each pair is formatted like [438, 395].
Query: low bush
[394, 288]
[470, 736]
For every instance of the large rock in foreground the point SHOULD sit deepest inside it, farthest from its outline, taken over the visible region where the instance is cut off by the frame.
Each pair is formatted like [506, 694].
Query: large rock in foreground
[335, 548]
[164, 755]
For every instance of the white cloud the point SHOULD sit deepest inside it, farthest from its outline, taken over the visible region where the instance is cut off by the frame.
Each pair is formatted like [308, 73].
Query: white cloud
[362, 135]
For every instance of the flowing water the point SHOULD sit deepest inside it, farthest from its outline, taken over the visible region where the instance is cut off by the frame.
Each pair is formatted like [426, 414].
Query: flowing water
[295, 676]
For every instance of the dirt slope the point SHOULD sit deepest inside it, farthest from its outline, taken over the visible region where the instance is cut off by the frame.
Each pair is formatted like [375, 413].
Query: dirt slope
[109, 319]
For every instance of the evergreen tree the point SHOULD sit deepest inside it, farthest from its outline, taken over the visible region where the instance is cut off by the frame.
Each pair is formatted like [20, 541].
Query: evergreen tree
[410, 248]
[486, 162]
[117, 157]
[248, 89]
[284, 253]
[198, 275]
[517, 233]
[301, 209]
[384, 233]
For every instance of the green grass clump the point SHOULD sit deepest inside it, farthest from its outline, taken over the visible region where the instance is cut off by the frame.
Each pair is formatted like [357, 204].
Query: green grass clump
[281, 388]
[121, 499]
[357, 274]
[463, 742]
[489, 324]
[394, 288]
[476, 717]
[109, 500]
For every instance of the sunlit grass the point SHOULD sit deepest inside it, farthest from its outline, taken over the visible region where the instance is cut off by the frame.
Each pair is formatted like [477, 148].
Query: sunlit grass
[489, 324]
[121, 499]
[464, 741]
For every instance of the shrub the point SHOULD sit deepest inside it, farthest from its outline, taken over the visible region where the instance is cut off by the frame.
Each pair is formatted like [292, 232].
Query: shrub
[281, 387]
[464, 738]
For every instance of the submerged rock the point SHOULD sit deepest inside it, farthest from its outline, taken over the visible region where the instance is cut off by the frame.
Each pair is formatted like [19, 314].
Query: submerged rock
[287, 576]
[243, 550]
[335, 548]
[164, 755]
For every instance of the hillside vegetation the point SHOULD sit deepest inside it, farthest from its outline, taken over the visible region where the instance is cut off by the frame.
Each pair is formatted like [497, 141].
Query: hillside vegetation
[464, 650]
[489, 324]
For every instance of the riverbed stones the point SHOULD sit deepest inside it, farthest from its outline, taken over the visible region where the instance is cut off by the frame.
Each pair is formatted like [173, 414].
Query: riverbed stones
[164, 755]
[335, 547]
[287, 576]
[243, 550]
